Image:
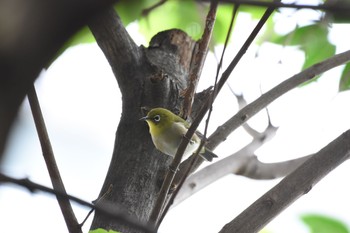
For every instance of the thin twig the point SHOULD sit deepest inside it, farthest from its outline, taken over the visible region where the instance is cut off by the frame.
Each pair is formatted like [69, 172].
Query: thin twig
[56, 180]
[200, 54]
[265, 99]
[109, 190]
[225, 75]
[195, 158]
[241, 104]
[111, 210]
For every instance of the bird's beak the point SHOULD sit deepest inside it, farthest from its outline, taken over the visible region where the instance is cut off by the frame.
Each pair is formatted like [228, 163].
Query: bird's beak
[144, 118]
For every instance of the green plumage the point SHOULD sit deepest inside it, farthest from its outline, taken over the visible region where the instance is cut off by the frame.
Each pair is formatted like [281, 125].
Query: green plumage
[167, 131]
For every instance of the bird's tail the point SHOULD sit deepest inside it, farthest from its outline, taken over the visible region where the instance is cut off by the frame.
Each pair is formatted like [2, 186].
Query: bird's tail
[208, 155]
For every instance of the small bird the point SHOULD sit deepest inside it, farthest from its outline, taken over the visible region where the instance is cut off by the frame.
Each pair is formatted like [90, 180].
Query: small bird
[167, 131]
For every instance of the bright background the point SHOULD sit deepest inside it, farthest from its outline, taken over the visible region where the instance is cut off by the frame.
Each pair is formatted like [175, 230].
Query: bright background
[81, 104]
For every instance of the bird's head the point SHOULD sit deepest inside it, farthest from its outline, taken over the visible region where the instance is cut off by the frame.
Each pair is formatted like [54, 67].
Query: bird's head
[159, 119]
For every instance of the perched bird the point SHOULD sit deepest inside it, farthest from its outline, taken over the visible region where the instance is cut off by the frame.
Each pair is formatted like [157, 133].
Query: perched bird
[167, 131]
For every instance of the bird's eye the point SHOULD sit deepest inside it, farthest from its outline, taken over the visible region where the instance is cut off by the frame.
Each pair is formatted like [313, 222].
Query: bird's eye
[156, 118]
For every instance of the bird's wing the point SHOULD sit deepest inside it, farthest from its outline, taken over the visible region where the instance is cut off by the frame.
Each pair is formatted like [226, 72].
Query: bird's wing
[186, 126]
[181, 129]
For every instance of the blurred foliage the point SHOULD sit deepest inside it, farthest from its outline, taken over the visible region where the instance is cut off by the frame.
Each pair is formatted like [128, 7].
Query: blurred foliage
[322, 224]
[154, 16]
[312, 40]
[188, 16]
[344, 83]
[185, 15]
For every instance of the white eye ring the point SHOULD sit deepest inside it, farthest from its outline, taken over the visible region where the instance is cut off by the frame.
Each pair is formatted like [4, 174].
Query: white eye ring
[156, 118]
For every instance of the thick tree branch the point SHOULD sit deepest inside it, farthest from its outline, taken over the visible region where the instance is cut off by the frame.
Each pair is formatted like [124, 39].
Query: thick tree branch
[110, 210]
[119, 48]
[56, 180]
[256, 169]
[292, 187]
[240, 163]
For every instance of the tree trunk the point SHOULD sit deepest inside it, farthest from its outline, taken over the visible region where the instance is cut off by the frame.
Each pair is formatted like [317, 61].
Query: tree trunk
[147, 77]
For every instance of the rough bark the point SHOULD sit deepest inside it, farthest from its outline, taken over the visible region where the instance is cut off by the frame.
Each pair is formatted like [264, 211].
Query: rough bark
[147, 77]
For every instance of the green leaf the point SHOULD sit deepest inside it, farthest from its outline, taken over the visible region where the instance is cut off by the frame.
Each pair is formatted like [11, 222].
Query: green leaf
[312, 39]
[100, 230]
[323, 224]
[344, 83]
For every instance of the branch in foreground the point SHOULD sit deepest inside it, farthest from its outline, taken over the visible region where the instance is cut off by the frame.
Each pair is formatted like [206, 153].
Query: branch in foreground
[108, 209]
[170, 198]
[224, 77]
[292, 187]
[56, 180]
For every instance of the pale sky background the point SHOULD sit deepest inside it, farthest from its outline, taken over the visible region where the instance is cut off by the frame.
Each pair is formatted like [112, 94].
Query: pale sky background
[81, 104]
